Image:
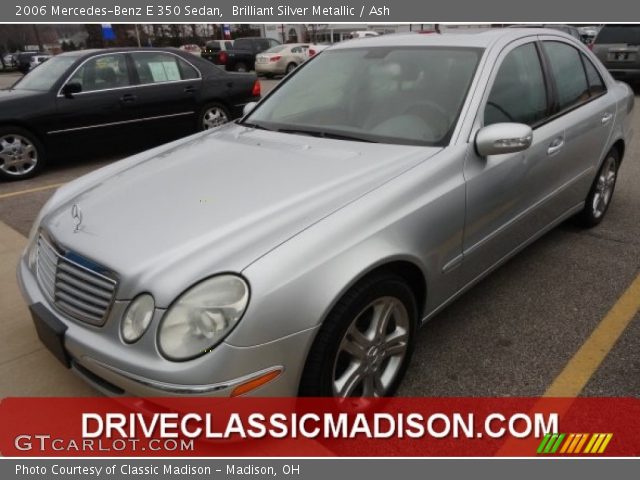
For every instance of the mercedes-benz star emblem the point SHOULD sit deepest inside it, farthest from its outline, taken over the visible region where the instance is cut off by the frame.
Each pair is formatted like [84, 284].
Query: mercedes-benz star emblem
[76, 214]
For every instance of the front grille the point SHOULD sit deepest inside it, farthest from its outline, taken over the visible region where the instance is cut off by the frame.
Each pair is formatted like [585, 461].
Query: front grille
[75, 285]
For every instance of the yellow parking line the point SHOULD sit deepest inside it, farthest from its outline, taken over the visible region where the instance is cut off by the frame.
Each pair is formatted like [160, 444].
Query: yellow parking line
[582, 366]
[30, 190]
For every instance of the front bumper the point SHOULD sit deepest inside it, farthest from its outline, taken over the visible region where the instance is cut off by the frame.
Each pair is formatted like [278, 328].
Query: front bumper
[101, 358]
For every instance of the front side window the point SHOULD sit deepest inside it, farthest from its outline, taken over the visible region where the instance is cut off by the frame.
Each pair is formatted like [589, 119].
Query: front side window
[159, 67]
[102, 73]
[402, 95]
[518, 93]
[46, 75]
[568, 73]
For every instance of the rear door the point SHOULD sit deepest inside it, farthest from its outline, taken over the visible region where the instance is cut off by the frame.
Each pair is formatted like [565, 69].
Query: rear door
[586, 112]
[167, 93]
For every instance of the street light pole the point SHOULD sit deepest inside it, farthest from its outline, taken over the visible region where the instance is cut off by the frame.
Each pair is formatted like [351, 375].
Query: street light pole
[137, 34]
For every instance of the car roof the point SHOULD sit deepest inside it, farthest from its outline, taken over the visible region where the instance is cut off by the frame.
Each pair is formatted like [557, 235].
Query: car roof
[95, 51]
[483, 39]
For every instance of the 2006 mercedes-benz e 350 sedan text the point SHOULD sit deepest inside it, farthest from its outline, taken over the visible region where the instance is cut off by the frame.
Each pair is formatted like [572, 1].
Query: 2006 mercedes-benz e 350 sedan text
[297, 251]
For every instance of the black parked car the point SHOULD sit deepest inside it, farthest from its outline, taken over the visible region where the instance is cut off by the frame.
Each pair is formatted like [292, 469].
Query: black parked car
[241, 57]
[618, 48]
[106, 98]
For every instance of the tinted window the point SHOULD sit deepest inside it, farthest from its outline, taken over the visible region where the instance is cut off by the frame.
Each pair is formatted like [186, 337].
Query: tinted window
[45, 76]
[157, 67]
[619, 34]
[518, 93]
[243, 44]
[399, 95]
[214, 45]
[568, 73]
[596, 84]
[102, 72]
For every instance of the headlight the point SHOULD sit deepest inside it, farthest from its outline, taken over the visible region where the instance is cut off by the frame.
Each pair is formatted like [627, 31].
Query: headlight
[200, 318]
[137, 317]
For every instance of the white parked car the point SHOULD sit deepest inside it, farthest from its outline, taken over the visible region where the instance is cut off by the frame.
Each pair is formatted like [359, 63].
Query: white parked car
[316, 48]
[281, 59]
[364, 34]
[37, 60]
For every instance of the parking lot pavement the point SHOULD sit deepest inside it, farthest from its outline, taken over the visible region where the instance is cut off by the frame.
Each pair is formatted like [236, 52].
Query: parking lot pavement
[512, 334]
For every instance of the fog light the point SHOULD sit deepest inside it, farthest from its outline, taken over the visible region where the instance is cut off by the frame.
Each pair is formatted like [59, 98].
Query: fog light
[137, 317]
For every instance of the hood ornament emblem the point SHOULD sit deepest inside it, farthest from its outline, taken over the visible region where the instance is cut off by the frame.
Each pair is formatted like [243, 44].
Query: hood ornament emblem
[76, 214]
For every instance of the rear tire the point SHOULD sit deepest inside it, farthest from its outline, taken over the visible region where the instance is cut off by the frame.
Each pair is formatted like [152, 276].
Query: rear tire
[601, 192]
[290, 68]
[22, 154]
[364, 346]
[213, 115]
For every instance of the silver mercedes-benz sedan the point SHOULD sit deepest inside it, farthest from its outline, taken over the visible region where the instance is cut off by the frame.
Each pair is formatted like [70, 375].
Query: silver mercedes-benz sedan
[297, 251]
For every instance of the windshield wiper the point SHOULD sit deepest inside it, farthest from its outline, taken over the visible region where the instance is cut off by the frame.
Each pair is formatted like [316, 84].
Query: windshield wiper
[256, 126]
[322, 134]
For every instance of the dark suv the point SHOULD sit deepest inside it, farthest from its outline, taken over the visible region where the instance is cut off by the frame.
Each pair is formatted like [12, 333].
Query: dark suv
[618, 48]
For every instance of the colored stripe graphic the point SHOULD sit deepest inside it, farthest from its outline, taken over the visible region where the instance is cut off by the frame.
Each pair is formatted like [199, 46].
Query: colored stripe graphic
[573, 443]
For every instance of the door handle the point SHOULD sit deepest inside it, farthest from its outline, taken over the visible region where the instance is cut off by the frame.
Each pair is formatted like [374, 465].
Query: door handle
[606, 117]
[190, 89]
[555, 146]
[128, 98]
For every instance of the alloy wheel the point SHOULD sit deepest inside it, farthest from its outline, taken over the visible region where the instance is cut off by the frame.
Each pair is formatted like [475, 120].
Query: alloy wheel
[18, 155]
[214, 117]
[604, 187]
[371, 352]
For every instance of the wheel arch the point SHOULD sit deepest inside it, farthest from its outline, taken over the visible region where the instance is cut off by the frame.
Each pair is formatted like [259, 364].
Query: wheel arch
[17, 123]
[620, 146]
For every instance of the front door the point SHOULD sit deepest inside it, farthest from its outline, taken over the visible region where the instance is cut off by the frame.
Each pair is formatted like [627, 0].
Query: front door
[103, 108]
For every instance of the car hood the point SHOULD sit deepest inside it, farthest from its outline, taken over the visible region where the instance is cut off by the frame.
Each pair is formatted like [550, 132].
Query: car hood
[17, 96]
[217, 202]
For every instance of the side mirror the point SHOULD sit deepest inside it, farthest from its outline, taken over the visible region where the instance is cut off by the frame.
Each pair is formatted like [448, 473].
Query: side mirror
[248, 108]
[71, 88]
[502, 138]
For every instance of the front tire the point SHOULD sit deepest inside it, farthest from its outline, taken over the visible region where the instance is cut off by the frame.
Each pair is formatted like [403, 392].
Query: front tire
[601, 192]
[22, 154]
[365, 344]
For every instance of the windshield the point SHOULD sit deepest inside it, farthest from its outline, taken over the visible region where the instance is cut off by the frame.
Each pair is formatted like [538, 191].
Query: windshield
[46, 75]
[402, 95]
[629, 34]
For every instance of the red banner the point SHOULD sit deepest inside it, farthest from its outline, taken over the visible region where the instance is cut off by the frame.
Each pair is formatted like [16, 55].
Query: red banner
[430, 427]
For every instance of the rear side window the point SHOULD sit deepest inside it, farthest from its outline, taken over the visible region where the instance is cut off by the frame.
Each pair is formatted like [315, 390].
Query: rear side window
[159, 67]
[568, 73]
[629, 34]
[519, 93]
[596, 84]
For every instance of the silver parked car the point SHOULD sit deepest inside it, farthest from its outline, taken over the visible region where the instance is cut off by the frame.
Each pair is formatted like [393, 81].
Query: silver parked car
[297, 251]
[281, 59]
